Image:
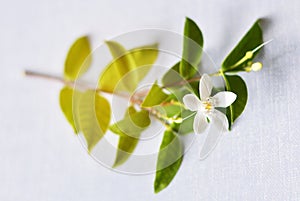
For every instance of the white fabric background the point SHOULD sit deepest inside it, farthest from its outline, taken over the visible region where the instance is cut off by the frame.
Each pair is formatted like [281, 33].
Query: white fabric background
[41, 159]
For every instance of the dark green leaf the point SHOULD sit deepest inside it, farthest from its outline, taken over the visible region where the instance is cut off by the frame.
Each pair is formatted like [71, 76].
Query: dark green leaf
[169, 160]
[237, 57]
[194, 88]
[236, 85]
[78, 59]
[94, 117]
[155, 96]
[192, 49]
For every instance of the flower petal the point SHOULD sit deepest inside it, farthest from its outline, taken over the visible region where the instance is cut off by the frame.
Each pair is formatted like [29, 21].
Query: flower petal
[192, 102]
[211, 141]
[224, 98]
[220, 120]
[219, 125]
[205, 86]
[200, 123]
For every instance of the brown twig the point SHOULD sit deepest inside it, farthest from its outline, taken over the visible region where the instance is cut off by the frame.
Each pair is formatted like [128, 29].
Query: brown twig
[46, 76]
[183, 82]
[66, 82]
[134, 99]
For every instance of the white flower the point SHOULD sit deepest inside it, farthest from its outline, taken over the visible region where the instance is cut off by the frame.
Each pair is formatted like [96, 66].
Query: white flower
[206, 106]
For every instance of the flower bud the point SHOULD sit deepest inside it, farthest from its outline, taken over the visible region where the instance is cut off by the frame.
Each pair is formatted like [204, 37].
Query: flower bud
[257, 66]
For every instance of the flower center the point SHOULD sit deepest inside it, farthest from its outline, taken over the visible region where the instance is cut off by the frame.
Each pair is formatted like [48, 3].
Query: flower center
[207, 105]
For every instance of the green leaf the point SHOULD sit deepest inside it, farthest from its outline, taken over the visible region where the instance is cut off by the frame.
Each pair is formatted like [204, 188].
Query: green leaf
[177, 84]
[145, 55]
[237, 57]
[186, 126]
[117, 50]
[129, 129]
[155, 96]
[126, 146]
[122, 63]
[194, 88]
[125, 72]
[66, 104]
[236, 85]
[94, 117]
[130, 111]
[78, 59]
[192, 49]
[168, 110]
[132, 124]
[172, 76]
[169, 160]
[126, 143]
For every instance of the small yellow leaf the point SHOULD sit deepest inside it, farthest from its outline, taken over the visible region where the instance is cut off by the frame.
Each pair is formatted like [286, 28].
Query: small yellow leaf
[78, 59]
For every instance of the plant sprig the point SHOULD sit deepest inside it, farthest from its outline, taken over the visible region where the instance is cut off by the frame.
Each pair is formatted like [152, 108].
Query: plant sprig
[89, 112]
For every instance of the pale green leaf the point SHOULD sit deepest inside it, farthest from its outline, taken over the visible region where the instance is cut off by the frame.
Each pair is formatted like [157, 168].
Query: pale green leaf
[145, 55]
[172, 77]
[168, 110]
[126, 143]
[78, 59]
[155, 96]
[93, 116]
[132, 124]
[130, 111]
[168, 161]
[126, 146]
[177, 84]
[186, 126]
[128, 67]
[237, 58]
[66, 104]
[117, 50]
[192, 49]
[114, 73]
[236, 85]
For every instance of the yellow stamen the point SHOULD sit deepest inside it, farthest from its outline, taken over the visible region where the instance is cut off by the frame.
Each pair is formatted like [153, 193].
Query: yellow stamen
[207, 105]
